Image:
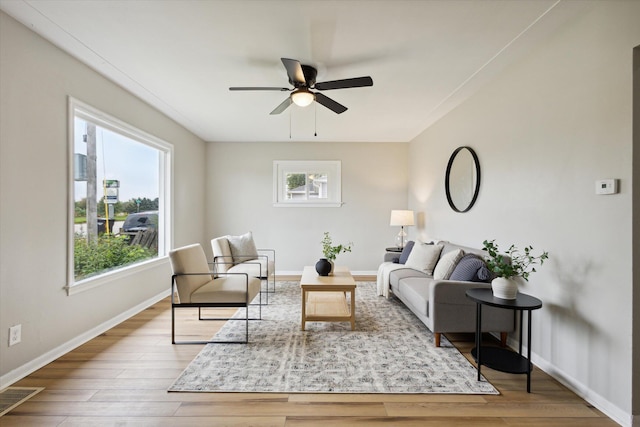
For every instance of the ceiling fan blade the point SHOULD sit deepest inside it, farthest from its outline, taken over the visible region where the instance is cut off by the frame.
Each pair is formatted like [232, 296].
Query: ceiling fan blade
[281, 89]
[294, 71]
[330, 103]
[345, 83]
[283, 106]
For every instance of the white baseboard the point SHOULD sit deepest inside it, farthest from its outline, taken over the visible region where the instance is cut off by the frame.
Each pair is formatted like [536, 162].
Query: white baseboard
[299, 273]
[602, 404]
[37, 363]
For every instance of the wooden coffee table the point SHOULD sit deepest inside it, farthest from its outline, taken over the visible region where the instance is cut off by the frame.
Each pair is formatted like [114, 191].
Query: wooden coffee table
[324, 298]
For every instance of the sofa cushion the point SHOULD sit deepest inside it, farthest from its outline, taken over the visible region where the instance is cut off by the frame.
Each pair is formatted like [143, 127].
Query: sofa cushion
[447, 264]
[402, 273]
[415, 292]
[242, 247]
[423, 257]
[471, 268]
[405, 252]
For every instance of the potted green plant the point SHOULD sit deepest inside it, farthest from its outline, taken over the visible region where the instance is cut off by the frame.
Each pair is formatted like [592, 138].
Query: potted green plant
[506, 267]
[324, 267]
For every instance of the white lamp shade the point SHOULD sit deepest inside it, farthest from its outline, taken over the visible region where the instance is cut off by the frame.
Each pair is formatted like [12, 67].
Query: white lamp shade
[401, 218]
[302, 97]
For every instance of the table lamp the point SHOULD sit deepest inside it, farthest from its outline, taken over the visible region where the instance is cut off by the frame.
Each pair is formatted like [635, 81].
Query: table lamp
[402, 219]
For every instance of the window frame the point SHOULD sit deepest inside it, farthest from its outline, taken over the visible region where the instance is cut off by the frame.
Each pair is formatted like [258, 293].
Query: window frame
[333, 169]
[84, 111]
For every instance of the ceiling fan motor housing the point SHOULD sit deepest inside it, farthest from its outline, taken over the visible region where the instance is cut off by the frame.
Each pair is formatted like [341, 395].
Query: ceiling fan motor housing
[310, 74]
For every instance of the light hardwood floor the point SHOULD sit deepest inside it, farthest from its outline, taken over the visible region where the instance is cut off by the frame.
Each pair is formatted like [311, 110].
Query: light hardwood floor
[121, 378]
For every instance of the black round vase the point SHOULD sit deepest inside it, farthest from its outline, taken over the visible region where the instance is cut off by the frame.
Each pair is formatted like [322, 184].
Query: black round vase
[323, 267]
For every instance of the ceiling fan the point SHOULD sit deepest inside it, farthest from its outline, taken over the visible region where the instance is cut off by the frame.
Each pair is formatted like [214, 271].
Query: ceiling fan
[303, 79]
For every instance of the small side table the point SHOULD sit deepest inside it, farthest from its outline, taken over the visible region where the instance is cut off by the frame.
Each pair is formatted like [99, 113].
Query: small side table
[394, 249]
[502, 359]
[392, 254]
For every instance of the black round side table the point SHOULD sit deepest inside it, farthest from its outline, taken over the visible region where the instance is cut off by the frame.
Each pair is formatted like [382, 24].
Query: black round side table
[502, 359]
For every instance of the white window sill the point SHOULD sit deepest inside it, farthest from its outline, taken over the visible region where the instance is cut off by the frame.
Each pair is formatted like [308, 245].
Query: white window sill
[307, 205]
[103, 279]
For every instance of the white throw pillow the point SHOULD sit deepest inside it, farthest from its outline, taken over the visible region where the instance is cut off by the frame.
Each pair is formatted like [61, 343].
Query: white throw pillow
[447, 264]
[423, 257]
[242, 248]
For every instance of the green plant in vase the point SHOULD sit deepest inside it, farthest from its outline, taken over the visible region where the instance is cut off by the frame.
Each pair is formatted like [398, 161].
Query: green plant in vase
[330, 253]
[513, 263]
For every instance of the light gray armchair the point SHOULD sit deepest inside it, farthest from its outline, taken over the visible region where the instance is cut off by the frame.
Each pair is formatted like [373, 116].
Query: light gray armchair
[238, 254]
[193, 285]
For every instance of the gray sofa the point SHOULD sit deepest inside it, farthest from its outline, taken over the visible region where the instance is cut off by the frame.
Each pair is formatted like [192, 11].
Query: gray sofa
[441, 304]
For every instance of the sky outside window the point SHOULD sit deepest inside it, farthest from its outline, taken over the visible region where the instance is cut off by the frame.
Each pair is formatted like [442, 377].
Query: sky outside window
[134, 164]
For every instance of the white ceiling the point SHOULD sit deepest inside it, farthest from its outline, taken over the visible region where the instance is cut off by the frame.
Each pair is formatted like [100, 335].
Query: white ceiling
[425, 57]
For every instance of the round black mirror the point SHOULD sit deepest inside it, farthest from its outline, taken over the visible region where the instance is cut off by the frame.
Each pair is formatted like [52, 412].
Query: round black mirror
[462, 180]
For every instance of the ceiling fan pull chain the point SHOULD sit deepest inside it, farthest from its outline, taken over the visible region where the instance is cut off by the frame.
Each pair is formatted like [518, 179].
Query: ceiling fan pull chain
[315, 119]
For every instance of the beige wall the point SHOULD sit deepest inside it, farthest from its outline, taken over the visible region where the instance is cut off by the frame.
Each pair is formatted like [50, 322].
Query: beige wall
[636, 233]
[240, 198]
[545, 131]
[36, 80]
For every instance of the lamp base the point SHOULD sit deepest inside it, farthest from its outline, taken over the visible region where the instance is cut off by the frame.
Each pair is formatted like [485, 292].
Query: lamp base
[401, 238]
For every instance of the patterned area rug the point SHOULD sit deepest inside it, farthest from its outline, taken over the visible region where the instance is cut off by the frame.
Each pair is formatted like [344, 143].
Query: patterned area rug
[390, 351]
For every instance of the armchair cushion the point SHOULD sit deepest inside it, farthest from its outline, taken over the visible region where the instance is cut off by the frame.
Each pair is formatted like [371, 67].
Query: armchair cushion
[261, 267]
[227, 289]
[242, 248]
[220, 246]
[190, 259]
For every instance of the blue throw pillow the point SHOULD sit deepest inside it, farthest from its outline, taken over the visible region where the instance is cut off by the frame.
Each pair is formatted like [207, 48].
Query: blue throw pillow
[471, 268]
[405, 252]
[484, 274]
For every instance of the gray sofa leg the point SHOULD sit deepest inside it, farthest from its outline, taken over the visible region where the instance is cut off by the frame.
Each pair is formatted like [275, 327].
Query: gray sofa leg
[437, 338]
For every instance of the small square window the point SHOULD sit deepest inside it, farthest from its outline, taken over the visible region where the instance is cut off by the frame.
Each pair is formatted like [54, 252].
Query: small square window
[310, 183]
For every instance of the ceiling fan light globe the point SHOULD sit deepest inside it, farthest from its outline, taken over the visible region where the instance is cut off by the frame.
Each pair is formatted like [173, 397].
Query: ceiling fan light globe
[302, 98]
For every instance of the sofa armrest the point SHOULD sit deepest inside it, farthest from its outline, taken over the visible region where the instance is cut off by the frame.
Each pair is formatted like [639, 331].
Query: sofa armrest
[451, 311]
[453, 291]
[390, 256]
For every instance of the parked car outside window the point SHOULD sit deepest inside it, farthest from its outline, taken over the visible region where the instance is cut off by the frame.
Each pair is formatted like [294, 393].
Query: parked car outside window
[140, 221]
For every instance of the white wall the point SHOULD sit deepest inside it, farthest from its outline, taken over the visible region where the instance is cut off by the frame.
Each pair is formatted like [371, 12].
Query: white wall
[545, 130]
[240, 198]
[36, 79]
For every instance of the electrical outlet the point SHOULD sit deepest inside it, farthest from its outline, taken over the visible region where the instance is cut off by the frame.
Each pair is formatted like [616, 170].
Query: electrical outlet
[15, 335]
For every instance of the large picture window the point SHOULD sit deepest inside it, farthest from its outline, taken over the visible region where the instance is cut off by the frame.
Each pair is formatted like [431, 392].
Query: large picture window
[119, 185]
[311, 183]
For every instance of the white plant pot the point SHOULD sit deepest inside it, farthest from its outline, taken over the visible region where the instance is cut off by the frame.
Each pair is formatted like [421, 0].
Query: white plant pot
[504, 288]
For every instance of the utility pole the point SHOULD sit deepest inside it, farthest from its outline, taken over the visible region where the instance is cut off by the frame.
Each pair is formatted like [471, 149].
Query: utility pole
[92, 179]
